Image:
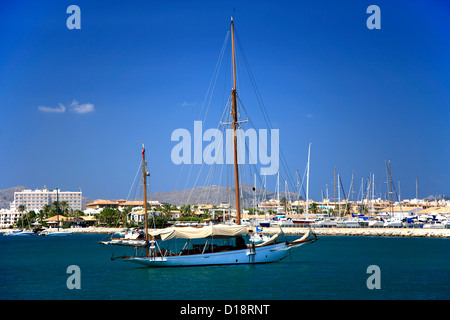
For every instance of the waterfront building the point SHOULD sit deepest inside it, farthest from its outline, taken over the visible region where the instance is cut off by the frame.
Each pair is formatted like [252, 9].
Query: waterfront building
[35, 200]
[9, 217]
[399, 211]
[101, 204]
[119, 204]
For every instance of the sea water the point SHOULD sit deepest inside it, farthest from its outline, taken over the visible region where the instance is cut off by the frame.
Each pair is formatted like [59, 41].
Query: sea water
[333, 267]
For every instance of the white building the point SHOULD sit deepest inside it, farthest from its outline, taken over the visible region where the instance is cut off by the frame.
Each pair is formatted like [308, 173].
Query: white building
[9, 217]
[37, 199]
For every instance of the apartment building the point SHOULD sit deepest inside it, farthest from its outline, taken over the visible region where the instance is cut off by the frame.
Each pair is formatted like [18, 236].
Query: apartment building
[37, 199]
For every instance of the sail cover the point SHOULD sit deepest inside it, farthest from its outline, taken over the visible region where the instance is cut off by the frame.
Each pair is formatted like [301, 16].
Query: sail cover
[216, 231]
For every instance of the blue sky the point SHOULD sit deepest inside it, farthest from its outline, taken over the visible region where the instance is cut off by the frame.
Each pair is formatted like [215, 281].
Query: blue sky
[138, 70]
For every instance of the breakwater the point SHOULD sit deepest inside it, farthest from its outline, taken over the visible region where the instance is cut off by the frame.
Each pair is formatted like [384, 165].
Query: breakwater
[370, 232]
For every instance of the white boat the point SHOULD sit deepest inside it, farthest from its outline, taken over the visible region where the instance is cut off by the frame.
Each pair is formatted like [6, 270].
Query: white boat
[352, 223]
[55, 233]
[376, 223]
[259, 238]
[326, 223]
[220, 244]
[127, 237]
[446, 224]
[18, 233]
[435, 224]
[393, 223]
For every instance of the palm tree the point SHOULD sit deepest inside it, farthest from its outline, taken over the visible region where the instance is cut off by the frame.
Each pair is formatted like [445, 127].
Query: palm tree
[314, 207]
[283, 203]
[21, 209]
[166, 209]
[46, 211]
[64, 207]
[186, 209]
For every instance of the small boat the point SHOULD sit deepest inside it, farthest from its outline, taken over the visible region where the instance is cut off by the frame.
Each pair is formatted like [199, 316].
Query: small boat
[54, 233]
[376, 223]
[326, 223]
[393, 223]
[435, 224]
[258, 237]
[134, 237]
[18, 233]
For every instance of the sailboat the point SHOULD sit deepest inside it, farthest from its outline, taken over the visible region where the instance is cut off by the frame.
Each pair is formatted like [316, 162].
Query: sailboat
[221, 244]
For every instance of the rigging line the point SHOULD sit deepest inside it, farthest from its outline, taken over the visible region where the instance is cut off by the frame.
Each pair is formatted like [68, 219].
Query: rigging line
[254, 127]
[192, 165]
[214, 76]
[134, 181]
[342, 187]
[262, 107]
[209, 93]
[198, 175]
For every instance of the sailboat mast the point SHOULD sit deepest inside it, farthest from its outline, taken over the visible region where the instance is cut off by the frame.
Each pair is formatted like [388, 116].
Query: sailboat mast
[235, 122]
[57, 208]
[307, 181]
[391, 202]
[144, 179]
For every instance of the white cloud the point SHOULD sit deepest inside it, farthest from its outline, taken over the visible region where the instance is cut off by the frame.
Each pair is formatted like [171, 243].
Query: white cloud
[310, 116]
[81, 108]
[188, 104]
[75, 106]
[59, 109]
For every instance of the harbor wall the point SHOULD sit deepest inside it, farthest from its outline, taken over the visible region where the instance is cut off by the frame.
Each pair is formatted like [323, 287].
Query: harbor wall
[370, 232]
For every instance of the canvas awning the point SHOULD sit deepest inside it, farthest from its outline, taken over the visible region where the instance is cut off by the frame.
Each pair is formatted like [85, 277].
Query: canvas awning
[216, 231]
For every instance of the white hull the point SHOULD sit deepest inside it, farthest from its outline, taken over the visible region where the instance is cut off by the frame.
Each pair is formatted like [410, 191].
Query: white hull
[266, 254]
[19, 234]
[55, 233]
[59, 234]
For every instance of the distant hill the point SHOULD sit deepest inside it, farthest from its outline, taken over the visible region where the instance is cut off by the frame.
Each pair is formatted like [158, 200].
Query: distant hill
[438, 197]
[7, 196]
[216, 194]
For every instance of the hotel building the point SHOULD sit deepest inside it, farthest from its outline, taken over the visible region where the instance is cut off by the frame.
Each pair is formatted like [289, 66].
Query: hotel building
[37, 199]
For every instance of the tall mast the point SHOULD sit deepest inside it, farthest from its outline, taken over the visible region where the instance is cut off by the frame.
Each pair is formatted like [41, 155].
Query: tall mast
[235, 122]
[417, 195]
[57, 208]
[307, 181]
[391, 202]
[144, 178]
[334, 187]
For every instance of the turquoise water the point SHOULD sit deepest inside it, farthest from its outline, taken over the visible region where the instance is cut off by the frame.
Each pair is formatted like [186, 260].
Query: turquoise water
[331, 268]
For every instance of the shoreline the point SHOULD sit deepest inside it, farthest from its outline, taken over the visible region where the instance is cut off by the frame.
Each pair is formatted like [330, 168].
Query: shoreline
[370, 232]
